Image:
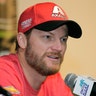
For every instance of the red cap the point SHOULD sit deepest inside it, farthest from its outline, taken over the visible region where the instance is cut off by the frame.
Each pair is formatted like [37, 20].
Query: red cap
[47, 16]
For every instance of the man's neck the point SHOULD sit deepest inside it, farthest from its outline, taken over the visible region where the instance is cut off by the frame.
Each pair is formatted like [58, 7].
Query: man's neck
[33, 77]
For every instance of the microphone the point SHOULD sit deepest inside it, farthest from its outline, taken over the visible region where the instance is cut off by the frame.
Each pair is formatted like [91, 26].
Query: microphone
[81, 85]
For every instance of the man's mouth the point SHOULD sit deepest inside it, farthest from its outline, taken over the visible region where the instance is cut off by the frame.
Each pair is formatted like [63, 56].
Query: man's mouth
[54, 57]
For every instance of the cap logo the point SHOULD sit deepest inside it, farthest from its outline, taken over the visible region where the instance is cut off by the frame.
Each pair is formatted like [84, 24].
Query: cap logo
[57, 12]
[26, 23]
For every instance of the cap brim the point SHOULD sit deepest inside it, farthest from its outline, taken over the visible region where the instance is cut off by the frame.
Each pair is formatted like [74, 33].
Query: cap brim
[74, 30]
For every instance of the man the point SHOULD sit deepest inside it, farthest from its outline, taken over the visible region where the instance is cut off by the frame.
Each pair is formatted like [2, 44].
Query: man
[43, 30]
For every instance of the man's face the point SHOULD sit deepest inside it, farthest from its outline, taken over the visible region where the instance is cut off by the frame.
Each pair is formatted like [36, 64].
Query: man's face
[45, 50]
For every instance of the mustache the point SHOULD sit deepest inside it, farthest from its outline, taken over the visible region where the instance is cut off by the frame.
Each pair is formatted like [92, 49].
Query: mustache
[58, 54]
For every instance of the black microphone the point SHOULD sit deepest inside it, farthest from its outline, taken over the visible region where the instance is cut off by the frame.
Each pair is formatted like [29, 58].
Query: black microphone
[81, 85]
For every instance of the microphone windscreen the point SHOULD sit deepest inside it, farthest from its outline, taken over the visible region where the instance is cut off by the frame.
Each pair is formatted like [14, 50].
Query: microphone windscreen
[70, 80]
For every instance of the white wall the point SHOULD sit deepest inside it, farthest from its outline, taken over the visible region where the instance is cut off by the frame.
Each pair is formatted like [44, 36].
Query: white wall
[80, 57]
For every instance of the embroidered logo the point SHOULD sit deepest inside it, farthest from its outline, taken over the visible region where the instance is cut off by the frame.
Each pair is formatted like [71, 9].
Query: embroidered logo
[26, 23]
[57, 12]
[12, 90]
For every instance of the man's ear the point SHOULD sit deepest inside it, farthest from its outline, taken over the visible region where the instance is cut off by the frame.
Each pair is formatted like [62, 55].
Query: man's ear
[22, 41]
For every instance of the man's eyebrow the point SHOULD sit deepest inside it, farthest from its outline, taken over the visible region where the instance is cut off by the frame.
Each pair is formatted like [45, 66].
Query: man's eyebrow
[51, 33]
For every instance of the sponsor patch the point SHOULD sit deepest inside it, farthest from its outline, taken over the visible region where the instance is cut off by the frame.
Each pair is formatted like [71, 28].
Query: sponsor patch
[12, 90]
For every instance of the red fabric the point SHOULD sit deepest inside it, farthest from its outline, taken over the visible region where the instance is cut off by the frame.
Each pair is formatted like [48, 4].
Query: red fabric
[40, 13]
[11, 74]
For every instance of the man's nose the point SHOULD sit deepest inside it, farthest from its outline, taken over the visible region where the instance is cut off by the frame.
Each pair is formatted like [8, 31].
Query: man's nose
[57, 46]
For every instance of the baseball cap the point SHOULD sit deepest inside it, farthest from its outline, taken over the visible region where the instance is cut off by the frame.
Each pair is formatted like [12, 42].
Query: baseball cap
[47, 16]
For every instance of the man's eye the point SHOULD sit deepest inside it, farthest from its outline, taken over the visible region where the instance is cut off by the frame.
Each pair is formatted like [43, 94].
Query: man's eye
[64, 39]
[48, 37]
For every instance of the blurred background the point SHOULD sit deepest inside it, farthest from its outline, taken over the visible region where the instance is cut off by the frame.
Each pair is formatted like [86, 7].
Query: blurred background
[80, 57]
[8, 19]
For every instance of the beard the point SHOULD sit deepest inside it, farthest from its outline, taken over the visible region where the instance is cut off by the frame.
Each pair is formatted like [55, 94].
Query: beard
[37, 62]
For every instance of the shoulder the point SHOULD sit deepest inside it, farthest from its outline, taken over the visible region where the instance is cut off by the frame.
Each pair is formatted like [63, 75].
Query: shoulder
[10, 72]
[8, 68]
[8, 60]
[9, 57]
